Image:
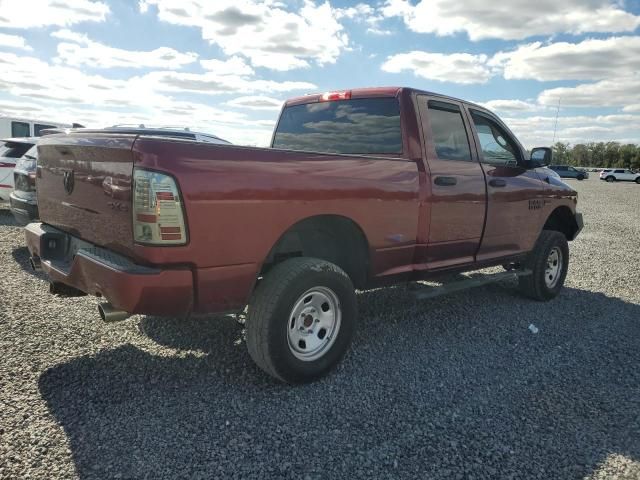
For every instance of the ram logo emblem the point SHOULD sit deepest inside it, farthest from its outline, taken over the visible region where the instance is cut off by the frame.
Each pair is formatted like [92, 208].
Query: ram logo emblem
[68, 181]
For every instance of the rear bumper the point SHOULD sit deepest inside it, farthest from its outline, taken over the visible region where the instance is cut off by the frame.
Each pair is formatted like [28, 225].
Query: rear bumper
[24, 210]
[94, 270]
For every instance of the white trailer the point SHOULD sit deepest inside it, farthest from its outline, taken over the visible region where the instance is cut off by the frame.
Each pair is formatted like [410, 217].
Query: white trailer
[15, 127]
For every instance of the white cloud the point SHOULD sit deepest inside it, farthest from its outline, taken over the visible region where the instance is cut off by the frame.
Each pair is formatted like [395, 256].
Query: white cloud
[263, 31]
[97, 55]
[510, 106]
[42, 13]
[614, 92]
[14, 41]
[140, 99]
[454, 67]
[256, 102]
[512, 20]
[231, 66]
[538, 130]
[212, 83]
[590, 59]
[360, 11]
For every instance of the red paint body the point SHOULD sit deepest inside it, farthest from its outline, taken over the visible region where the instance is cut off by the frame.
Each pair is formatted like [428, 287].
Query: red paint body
[239, 201]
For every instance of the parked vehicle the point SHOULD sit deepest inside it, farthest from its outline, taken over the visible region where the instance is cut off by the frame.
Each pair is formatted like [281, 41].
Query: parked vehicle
[619, 175]
[11, 149]
[567, 171]
[360, 188]
[549, 172]
[24, 127]
[23, 201]
[24, 205]
[174, 132]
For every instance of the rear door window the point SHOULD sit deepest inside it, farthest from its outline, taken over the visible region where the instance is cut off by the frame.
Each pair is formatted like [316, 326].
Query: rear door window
[448, 131]
[20, 129]
[357, 126]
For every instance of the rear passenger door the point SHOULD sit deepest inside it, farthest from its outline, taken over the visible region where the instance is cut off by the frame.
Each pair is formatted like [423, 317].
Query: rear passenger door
[457, 186]
[515, 194]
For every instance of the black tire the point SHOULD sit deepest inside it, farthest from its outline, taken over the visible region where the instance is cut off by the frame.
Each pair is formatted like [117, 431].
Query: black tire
[638, 180]
[271, 306]
[534, 286]
[580, 177]
[610, 179]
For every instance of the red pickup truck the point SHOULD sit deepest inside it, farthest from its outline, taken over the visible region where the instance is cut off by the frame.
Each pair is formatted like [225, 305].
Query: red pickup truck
[360, 188]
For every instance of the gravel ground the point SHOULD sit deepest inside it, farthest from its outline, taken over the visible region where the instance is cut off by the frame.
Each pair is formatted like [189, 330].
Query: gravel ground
[456, 387]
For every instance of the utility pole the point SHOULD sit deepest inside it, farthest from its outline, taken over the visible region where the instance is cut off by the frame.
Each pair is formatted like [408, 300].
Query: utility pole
[555, 127]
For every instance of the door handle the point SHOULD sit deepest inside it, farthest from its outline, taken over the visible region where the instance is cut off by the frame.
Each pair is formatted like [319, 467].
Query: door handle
[445, 181]
[498, 182]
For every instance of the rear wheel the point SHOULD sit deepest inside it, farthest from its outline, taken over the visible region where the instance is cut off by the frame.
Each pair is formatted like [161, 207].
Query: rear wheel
[610, 179]
[548, 262]
[301, 319]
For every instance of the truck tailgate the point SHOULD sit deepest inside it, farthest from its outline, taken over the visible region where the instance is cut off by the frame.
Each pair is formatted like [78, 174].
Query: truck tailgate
[84, 187]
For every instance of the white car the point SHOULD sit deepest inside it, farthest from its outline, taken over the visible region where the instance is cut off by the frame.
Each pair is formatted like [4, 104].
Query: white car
[619, 175]
[11, 149]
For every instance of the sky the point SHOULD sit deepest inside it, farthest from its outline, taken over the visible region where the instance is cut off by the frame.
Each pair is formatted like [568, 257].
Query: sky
[225, 66]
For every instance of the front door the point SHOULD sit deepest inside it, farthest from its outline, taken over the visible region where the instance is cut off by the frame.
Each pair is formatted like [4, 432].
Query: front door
[457, 185]
[515, 193]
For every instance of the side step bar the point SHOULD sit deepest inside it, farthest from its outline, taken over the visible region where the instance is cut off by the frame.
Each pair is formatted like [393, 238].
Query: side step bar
[471, 282]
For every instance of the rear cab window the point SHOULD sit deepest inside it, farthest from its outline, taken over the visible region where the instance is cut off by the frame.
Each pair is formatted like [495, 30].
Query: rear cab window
[356, 126]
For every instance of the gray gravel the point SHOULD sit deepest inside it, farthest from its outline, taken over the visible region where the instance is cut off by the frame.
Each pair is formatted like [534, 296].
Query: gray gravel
[456, 387]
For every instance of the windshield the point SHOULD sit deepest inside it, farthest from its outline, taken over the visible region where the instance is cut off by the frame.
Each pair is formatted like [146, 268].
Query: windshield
[359, 126]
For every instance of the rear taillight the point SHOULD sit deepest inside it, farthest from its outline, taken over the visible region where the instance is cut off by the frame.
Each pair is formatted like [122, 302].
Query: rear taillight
[158, 218]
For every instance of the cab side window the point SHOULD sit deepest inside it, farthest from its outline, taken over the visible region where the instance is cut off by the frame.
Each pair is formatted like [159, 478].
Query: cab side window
[448, 131]
[497, 146]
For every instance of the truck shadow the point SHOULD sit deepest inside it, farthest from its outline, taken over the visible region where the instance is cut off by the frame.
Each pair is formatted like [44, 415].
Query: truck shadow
[6, 217]
[457, 384]
[21, 257]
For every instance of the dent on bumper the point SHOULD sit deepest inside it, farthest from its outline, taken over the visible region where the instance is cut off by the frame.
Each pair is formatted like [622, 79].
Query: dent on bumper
[97, 271]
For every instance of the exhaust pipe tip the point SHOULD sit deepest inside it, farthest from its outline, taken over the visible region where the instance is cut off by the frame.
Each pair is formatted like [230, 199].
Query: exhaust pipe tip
[109, 314]
[36, 266]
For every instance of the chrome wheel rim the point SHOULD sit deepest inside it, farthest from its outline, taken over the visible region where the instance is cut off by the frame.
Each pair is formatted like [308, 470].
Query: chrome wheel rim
[553, 268]
[314, 323]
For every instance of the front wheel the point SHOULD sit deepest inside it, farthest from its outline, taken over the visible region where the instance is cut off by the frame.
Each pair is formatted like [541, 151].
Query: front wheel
[580, 177]
[638, 180]
[549, 263]
[610, 179]
[301, 319]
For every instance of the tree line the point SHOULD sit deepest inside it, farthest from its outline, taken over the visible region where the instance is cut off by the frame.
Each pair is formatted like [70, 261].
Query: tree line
[597, 154]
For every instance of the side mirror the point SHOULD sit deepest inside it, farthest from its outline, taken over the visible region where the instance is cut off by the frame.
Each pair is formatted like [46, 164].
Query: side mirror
[541, 156]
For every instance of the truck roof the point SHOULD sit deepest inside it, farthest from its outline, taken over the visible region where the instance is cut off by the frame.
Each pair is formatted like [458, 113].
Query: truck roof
[370, 92]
